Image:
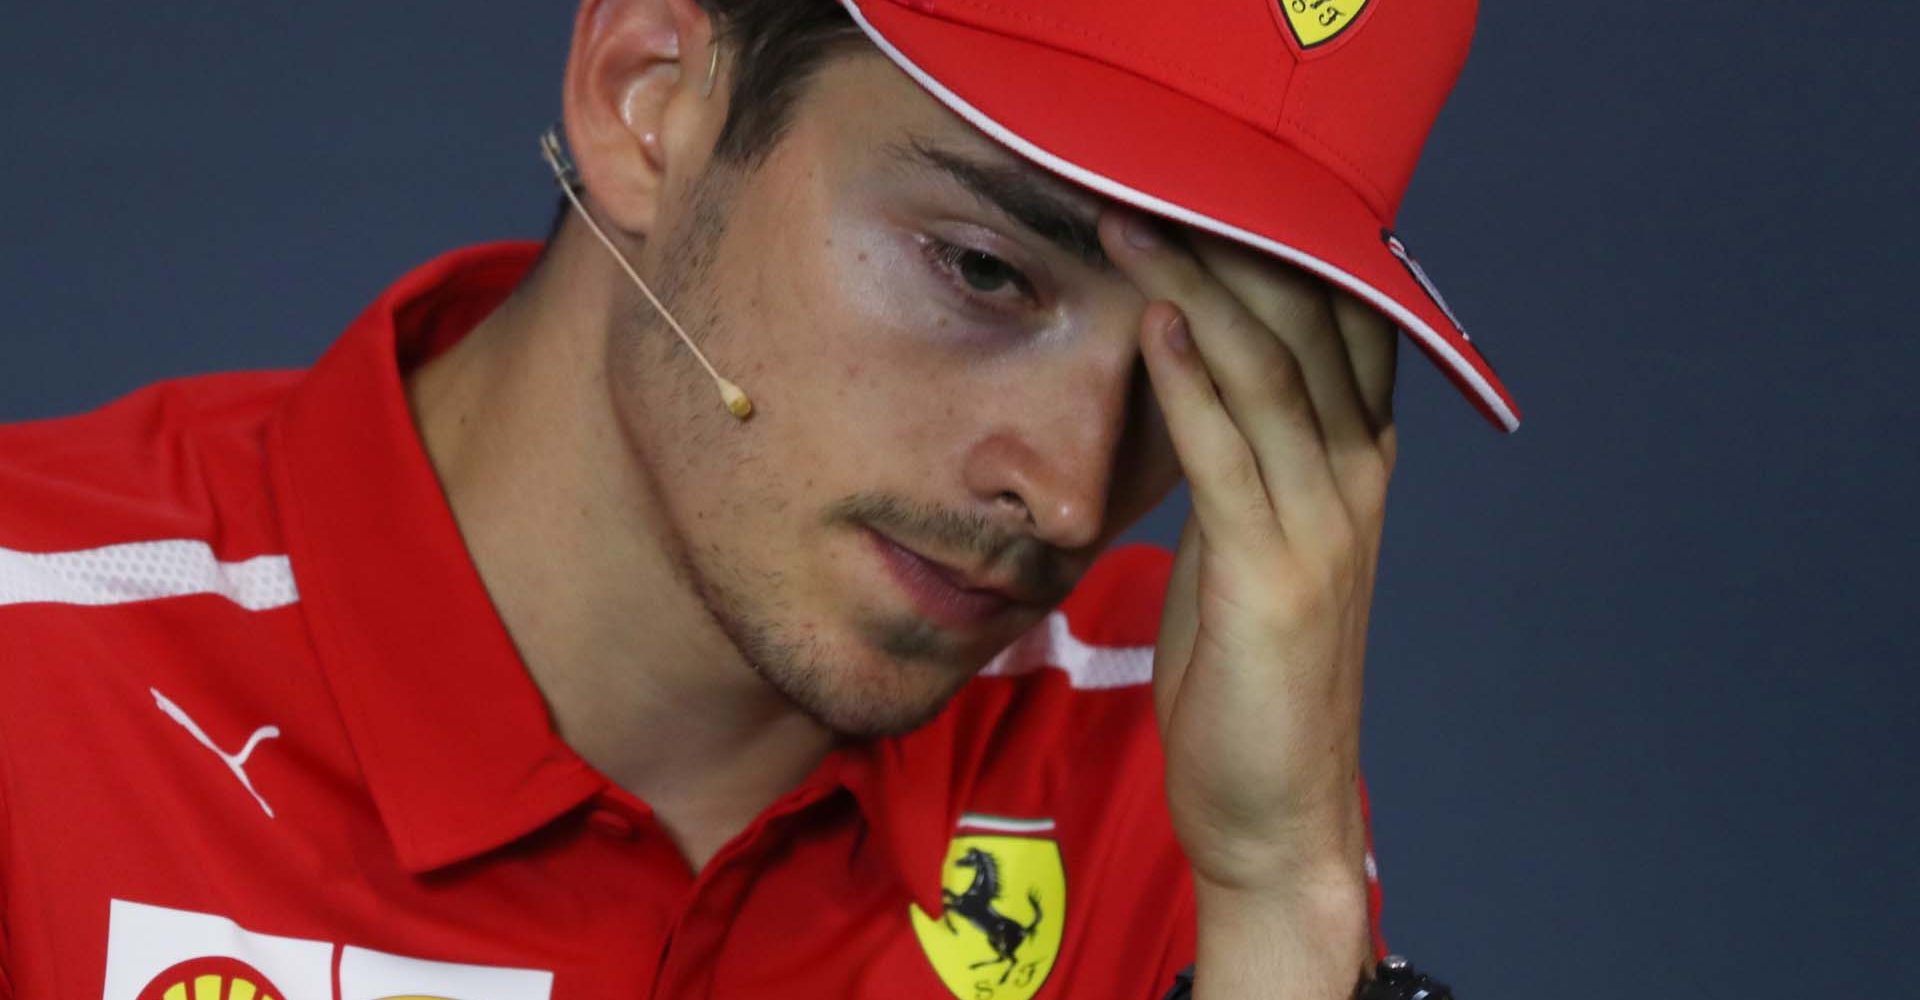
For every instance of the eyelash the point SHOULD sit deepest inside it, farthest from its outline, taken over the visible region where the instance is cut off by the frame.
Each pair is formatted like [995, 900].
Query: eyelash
[949, 258]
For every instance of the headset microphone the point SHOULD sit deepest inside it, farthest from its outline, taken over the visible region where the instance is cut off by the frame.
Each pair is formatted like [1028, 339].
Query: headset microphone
[736, 401]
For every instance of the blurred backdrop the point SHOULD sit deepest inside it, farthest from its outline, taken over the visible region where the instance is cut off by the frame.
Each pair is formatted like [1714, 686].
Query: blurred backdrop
[1642, 701]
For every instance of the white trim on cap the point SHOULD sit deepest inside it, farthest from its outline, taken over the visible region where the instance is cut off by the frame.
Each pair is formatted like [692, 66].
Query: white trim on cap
[143, 571]
[1140, 199]
[1051, 644]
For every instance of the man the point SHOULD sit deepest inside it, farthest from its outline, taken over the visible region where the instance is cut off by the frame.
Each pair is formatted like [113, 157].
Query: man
[495, 657]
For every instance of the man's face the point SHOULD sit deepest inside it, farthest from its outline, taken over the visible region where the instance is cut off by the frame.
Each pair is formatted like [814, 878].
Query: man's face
[943, 370]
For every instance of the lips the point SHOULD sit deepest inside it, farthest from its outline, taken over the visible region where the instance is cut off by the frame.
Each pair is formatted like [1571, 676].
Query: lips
[934, 590]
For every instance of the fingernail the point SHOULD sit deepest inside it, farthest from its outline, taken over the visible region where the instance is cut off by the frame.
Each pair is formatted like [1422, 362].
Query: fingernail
[1179, 338]
[1141, 233]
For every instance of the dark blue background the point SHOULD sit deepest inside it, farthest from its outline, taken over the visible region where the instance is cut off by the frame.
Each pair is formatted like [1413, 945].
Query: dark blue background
[1642, 702]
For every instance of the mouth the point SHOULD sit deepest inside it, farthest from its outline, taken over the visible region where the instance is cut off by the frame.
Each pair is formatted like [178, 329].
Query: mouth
[934, 590]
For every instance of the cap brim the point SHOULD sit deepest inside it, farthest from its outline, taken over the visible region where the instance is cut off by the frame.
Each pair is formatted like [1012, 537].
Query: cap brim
[1140, 143]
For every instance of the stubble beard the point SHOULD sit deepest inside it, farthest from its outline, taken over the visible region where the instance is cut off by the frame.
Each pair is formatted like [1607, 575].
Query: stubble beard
[847, 698]
[751, 605]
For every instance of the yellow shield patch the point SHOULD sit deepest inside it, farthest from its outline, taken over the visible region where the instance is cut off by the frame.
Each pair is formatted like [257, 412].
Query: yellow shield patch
[1006, 905]
[1317, 22]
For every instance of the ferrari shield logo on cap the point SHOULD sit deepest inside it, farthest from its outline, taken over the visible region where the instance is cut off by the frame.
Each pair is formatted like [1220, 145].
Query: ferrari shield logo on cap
[1316, 22]
[1005, 901]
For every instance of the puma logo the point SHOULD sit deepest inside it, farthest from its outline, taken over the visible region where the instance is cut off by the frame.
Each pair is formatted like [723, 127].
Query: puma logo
[236, 762]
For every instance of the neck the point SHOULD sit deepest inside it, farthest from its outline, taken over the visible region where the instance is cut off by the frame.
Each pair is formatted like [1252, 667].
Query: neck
[581, 564]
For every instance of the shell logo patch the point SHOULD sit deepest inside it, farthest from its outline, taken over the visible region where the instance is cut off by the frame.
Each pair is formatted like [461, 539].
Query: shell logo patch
[157, 953]
[1005, 896]
[1317, 22]
[211, 979]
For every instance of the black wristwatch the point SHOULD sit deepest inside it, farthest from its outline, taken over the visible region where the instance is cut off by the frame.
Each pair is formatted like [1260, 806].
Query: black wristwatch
[1393, 979]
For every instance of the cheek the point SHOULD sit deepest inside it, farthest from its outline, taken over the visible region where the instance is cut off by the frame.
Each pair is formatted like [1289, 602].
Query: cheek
[847, 368]
[861, 381]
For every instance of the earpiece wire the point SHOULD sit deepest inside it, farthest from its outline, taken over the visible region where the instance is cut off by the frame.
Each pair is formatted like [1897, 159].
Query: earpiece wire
[568, 177]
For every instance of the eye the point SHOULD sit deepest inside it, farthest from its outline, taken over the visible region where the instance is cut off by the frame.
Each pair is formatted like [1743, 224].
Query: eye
[978, 271]
[986, 273]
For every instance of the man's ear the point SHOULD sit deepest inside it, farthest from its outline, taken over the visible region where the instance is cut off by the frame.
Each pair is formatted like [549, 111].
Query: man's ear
[634, 103]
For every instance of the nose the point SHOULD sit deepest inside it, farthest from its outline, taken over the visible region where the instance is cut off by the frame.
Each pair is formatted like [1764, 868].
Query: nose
[1049, 461]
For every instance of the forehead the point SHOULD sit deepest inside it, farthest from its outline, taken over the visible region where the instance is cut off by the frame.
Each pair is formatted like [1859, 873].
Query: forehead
[867, 110]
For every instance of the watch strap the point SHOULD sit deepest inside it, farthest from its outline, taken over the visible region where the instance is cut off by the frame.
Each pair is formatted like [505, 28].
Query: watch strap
[1393, 979]
[1396, 979]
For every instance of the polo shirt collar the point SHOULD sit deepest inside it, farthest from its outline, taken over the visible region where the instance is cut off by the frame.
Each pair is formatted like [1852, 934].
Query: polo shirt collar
[453, 737]
[451, 734]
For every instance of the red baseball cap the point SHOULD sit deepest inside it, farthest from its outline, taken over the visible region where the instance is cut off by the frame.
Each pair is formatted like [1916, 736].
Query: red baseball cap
[1291, 126]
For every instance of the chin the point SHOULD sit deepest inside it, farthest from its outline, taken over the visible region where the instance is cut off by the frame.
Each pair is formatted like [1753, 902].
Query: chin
[870, 694]
[861, 674]
[876, 680]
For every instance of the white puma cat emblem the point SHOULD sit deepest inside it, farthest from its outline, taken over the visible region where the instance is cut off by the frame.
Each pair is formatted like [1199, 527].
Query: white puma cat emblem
[236, 762]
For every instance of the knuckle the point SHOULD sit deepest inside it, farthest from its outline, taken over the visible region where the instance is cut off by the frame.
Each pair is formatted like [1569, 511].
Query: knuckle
[1186, 282]
[1370, 478]
[1340, 537]
[1240, 476]
[1389, 439]
[1280, 368]
[1302, 601]
[1371, 506]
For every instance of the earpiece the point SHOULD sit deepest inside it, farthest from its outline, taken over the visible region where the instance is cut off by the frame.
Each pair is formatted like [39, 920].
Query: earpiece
[568, 177]
[713, 70]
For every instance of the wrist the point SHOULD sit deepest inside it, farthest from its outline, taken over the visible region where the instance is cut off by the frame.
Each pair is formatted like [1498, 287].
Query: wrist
[1332, 874]
[1308, 939]
[1328, 909]
[1324, 845]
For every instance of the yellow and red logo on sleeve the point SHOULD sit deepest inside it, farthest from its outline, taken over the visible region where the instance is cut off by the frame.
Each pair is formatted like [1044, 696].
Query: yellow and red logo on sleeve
[211, 978]
[157, 953]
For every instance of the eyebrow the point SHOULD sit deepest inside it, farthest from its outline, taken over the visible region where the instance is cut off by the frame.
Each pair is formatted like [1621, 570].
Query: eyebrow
[1017, 193]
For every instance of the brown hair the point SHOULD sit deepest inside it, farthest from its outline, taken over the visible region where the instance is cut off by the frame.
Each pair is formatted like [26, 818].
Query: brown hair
[774, 47]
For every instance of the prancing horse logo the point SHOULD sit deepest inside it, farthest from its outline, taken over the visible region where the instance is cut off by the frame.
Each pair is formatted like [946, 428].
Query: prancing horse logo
[1003, 908]
[1004, 933]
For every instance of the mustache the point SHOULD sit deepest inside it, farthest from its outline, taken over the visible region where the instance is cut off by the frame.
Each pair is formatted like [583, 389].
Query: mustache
[1039, 571]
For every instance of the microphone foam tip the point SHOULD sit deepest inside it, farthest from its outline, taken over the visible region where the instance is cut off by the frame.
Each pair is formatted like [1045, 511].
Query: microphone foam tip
[737, 402]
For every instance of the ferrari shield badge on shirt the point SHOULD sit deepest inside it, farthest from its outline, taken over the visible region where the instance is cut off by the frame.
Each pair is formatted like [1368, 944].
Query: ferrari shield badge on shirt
[1004, 896]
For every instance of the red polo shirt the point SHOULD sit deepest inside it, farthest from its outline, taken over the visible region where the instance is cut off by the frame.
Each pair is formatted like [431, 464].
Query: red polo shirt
[263, 735]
